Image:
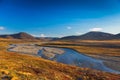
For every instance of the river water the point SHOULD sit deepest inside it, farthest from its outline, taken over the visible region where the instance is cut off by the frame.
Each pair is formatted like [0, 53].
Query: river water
[72, 57]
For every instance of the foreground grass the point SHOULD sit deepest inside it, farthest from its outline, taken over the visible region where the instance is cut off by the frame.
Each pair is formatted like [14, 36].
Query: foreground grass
[14, 66]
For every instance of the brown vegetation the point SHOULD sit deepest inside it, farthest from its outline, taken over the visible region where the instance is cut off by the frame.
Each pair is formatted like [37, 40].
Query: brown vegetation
[109, 48]
[14, 66]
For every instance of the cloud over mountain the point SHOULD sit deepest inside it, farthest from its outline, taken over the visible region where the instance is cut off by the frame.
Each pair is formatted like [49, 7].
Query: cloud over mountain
[96, 29]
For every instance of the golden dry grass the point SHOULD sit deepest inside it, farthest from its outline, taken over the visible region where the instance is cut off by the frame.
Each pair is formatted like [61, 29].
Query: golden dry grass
[25, 67]
[109, 48]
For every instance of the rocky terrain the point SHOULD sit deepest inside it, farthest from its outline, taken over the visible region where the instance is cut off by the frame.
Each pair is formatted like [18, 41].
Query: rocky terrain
[44, 52]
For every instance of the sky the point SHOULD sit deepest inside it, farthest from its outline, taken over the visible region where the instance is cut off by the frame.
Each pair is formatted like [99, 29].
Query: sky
[58, 18]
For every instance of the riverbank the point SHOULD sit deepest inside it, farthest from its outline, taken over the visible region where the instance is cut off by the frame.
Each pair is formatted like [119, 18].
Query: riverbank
[110, 61]
[96, 49]
[66, 56]
[26, 67]
[44, 52]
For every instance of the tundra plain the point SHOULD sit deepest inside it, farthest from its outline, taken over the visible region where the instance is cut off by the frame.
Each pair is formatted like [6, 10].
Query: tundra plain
[17, 66]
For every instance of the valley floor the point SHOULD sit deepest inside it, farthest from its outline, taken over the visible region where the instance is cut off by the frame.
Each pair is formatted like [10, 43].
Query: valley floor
[109, 51]
[14, 66]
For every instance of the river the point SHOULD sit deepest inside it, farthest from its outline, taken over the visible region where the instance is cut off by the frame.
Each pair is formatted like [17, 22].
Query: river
[66, 56]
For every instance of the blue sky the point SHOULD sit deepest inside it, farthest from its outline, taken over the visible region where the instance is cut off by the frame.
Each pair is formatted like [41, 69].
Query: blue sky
[59, 17]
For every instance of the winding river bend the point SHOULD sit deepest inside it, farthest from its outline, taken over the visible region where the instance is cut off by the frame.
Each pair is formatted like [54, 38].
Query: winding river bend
[63, 55]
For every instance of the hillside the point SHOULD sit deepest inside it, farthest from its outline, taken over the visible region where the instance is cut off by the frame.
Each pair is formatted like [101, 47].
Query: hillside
[93, 36]
[86, 36]
[117, 36]
[26, 36]
[14, 66]
[21, 35]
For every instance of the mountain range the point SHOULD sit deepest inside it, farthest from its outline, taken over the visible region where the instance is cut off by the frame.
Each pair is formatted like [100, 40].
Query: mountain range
[21, 35]
[26, 36]
[87, 36]
[93, 36]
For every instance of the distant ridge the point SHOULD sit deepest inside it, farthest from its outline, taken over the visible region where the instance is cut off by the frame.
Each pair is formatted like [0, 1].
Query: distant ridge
[47, 38]
[21, 35]
[117, 36]
[93, 36]
[24, 35]
[87, 36]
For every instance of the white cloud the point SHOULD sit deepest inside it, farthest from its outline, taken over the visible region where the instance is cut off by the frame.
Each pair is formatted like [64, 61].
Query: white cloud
[69, 27]
[96, 29]
[42, 35]
[60, 36]
[2, 28]
[35, 35]
[78, 33]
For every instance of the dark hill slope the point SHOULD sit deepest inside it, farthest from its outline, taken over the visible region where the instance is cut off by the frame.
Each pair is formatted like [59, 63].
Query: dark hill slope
[91, 36]
[21, 35]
